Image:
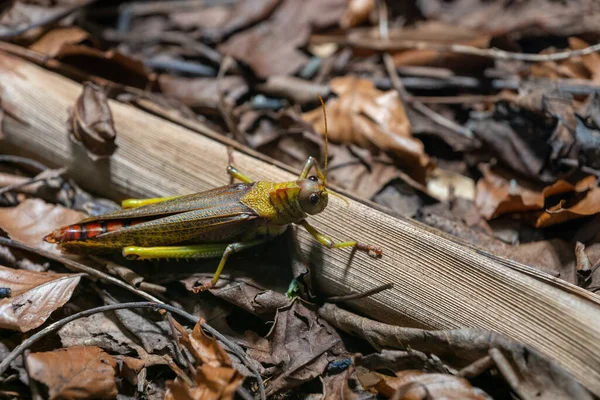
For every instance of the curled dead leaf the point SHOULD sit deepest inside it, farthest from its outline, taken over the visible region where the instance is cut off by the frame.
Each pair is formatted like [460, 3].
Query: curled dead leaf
[214, 377]
[417, 385]
[33, 218]
[33, 296]
[92, 123]
[301, 346]
[79, 372]
[372, 119]
[497, 195]
[271, 47]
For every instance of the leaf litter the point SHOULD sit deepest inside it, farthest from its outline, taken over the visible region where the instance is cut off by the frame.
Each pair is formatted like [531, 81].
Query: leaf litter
[523, 186]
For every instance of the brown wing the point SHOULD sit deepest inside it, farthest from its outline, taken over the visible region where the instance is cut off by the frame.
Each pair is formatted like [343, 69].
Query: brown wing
[215, 224]
[225, 195]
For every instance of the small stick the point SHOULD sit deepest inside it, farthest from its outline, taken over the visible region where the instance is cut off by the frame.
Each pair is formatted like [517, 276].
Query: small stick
[355, 296]
[235, 349]
[476, 368]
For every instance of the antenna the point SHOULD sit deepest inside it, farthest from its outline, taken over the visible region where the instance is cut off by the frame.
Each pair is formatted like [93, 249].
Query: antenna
[326, 141]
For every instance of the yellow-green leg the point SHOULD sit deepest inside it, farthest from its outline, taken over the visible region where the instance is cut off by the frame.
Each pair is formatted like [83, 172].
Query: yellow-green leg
[208, 250]
[326, 241]
[132, 203]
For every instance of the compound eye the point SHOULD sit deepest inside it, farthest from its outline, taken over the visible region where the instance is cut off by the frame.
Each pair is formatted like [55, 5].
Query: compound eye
[314, 199]
[313, 178]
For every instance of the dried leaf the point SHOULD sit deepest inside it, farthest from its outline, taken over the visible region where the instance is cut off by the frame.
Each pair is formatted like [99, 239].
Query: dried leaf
[79, 372]
[105, 331]
[371, 119]
[92, 123]
[417, 385]
[576, 207]
[497, 195]
[218, 23]
[301, 345]
[34, 296]
[529, 18]
[214, 376]
[31, 220]
[272, 46]
[51, 43]
[517, 137]
[200, 93]
[357, 12]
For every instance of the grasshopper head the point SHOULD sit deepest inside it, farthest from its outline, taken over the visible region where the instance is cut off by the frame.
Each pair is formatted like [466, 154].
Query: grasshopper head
[313, 195]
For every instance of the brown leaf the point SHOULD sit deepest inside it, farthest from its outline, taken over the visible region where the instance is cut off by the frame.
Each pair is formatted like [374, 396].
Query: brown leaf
[357, 12]
[586, 204]
[527, 18]
[497, 195]
[51, 43]
[272, 46]
[200, 93]
[34, 296]
[92, 123]
[359, 173]
[301, 344]
[31, 220]
[417, 385]
[371, 119]
[79, 372]
[591, 61]
[217, 23]
[214, 376]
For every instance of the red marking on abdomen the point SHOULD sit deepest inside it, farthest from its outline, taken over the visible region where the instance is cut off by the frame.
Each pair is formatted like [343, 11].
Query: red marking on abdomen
[87, 231]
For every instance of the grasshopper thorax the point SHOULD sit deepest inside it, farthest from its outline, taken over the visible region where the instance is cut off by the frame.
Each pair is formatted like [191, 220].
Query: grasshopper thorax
[313, 195]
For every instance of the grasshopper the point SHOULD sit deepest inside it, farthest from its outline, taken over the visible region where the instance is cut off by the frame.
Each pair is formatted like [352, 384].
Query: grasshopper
[214, 223]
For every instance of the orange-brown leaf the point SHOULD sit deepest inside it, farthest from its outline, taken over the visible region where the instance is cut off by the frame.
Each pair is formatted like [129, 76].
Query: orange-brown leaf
[372, 119]
[33, 296]
[79, 372]
[416, 385]
[497, 195]
[51, 43]
[33, 218]
[214, 378]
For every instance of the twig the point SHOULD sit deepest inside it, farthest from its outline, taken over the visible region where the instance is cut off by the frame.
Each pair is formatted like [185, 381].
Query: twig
[355, 296]
[508, 372]
[180, 66]
[476, 368]
[420, 107]
[22, 160]
[41, 177]
[78, 267]
[357, 39]
[233, 347]
[47, 20]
